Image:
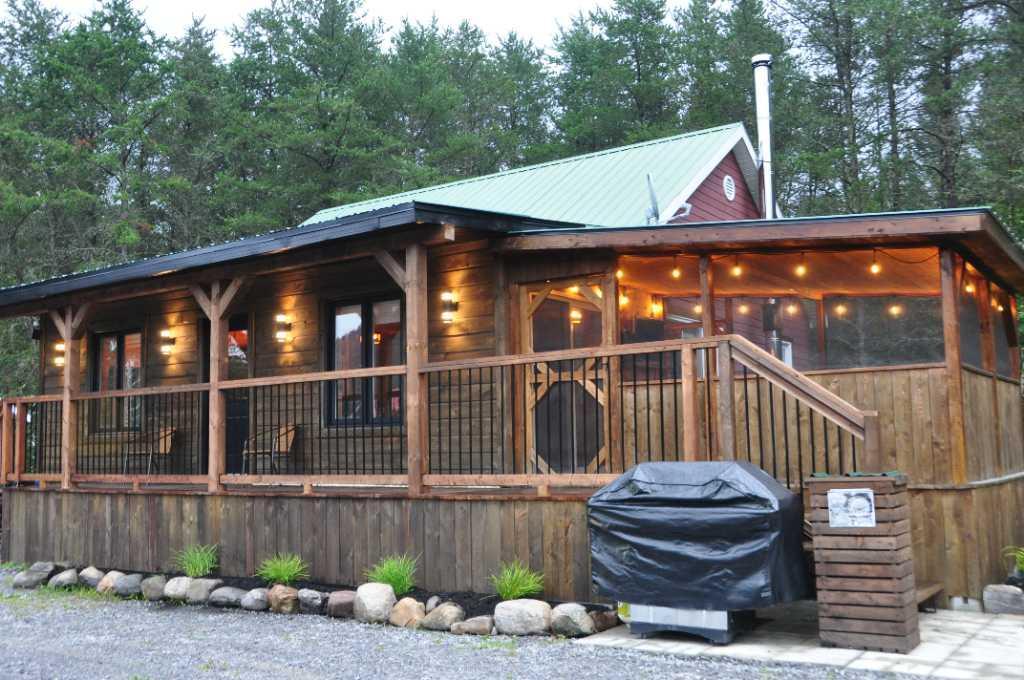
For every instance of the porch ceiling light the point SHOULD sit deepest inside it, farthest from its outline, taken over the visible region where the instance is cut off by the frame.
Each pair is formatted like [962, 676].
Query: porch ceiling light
[449, 306]
[736, 270]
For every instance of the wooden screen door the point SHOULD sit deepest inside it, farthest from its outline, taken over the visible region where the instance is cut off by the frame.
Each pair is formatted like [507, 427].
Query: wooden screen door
[566, 403]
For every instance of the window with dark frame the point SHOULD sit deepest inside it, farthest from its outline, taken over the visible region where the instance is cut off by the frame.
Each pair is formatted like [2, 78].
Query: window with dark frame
[366, 334]
[117, 365]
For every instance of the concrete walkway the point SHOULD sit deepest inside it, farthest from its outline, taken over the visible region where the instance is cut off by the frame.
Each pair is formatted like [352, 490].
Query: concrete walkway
[953, 644]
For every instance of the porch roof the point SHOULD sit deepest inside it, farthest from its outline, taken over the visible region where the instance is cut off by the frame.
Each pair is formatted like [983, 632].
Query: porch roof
[974, 232]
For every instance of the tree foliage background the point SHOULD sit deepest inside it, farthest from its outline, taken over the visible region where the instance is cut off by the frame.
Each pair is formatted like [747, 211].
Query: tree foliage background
[118, 143]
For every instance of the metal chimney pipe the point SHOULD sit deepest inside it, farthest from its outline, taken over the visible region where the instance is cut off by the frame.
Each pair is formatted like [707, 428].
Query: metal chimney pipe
[762, 64]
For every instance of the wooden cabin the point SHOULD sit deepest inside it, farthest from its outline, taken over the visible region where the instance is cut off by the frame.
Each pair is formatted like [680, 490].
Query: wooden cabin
[450, 372]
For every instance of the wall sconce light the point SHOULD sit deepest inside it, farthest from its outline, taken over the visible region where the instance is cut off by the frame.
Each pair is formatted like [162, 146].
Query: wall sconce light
[969, 288]
[449, 306]
[60, 348]
[895, 310]
[378, 338]
[623, 299]
[575, 316]
[167, 342]
[840, 309]
[698, 308]
[744, 309]
[619, 273]
[657, 308]
[792, 309]
[282, 327]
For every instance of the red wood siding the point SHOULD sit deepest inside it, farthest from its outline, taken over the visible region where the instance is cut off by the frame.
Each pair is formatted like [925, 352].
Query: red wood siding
[709, 201]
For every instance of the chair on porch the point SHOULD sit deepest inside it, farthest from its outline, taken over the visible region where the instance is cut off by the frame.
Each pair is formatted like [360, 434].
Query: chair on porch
[154, 449]
[274, 443]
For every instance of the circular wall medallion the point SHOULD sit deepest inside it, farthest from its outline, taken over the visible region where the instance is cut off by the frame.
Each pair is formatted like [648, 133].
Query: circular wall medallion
[729, 187]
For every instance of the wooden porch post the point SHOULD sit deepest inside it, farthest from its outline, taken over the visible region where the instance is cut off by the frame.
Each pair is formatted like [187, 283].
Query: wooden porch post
[215, 305]
[707, 300]
[6, 441]
[691, 433]
[416, 353]
[70, 325]
[951, 336]
[726, 405]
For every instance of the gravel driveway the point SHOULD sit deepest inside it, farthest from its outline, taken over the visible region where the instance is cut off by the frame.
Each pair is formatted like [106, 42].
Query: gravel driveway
[60, 635]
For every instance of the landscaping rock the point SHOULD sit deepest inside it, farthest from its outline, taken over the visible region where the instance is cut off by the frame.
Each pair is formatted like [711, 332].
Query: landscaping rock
[407, 613]
[373, 602]
[90, 576]
[64, 579]
[48, 568]
[604, 619]
[30, 579]
[283, 599]
[106, 584]
[226, 596]
[1001, 599]
[311, 601]
[522, 617]
[177, 588]
[433, 602]
[199, 590]
[478, 625]
[443, 616]
[571, 620]
[153, 587]
[255, 600]
[341, 603]
[128, 585]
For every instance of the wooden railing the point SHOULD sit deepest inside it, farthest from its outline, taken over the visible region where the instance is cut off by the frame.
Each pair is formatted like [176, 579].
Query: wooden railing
[575, 418]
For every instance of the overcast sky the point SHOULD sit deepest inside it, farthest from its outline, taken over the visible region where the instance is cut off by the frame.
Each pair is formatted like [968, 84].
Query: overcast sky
[537, 19]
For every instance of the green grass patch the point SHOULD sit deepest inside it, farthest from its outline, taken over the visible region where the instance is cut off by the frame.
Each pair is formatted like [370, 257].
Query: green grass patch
[398, 571]
[13, 566]
[516, 580]
[283, 568]
[197, 561]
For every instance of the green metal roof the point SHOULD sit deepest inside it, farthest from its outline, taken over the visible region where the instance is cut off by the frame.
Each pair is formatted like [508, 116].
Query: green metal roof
[606, 188]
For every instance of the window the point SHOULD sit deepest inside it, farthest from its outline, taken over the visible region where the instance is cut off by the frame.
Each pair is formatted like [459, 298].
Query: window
[117, 366]
[365, 335]
[238, 347]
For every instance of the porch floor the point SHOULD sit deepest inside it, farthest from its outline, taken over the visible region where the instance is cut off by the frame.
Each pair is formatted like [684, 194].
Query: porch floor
[954, 644]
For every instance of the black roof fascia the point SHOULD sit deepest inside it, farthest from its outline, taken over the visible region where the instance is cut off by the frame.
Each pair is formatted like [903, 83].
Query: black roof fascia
[382, 219]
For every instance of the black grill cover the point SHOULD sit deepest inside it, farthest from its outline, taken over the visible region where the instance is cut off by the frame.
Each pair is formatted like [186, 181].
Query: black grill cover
[715, 535]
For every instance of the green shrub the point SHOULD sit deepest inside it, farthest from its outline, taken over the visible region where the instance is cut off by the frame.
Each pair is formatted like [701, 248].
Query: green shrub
[197, 561]
[283, 568]
[515, 580]
[398, 571]
[1017, 553]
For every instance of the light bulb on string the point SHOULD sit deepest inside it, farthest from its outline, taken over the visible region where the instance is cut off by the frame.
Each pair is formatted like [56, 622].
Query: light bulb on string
[743, 309]
[801, 268]
[875, 268]
[840, 309]
[676, 271]
[736, 269]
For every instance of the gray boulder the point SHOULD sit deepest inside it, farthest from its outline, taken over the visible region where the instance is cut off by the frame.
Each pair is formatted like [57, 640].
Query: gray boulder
[443, 616]
[311, 601]
[176, 589]
[153, 587]
[64, 579]
[106, 584]
[255, 600]
[341, 604]
[478, 625]
[522, 617]
[48, 568]
[200, 588]
[30, 579]
[90, 576]
[128, 585]
[373, 602]
[226, 596]
[571, 620]
[1002, 599]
